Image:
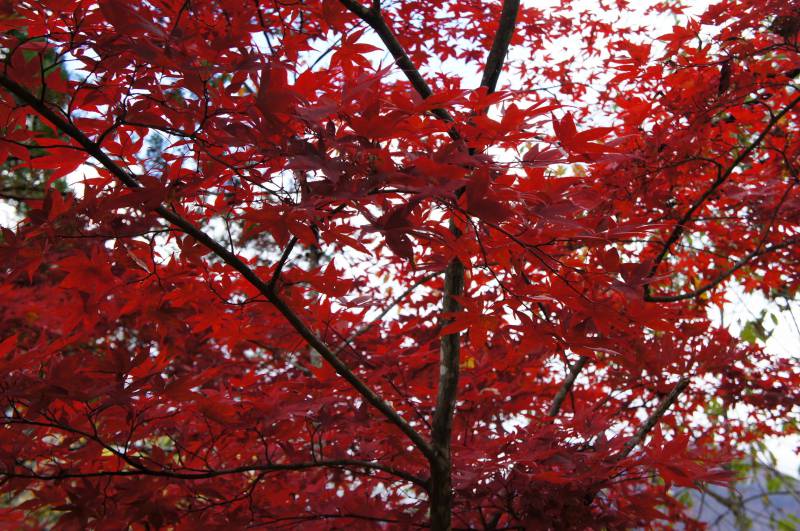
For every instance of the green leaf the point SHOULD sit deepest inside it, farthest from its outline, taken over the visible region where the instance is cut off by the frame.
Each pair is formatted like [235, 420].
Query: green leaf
[748, 333]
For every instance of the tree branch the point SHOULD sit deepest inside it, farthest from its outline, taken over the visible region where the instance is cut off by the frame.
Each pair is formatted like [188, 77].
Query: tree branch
[366, 327]
[375, 19]
[566, 387]
[722, 276]
[722, 176]
[442, 425]
[654, 418]
[195, 476]
[279, 266]
[502, 39]
[454, 284]
[228, 257]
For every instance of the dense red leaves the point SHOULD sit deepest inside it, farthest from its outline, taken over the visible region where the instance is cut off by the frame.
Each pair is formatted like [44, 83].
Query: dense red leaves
[147, 384]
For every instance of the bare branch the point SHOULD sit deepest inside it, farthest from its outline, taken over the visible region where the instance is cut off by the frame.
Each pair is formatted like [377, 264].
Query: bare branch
[279, 266]
[376, 21]
[442, 425]
[449, 358]
[356, 7]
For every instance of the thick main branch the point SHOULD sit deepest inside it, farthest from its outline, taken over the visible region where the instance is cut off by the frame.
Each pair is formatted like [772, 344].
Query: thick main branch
[228, 257]
[374, 18]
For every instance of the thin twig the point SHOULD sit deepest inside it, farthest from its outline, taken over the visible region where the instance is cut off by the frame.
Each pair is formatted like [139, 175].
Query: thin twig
[141, 470]
[722, 276]
[366, 327]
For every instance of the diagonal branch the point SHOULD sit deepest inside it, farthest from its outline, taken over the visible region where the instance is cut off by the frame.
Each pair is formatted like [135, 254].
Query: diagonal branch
[649, 423]
[374, 18]
[748, 259]
[366, 327]
[276, 275]
[228, 257]
[654, 418]
[502, 39]
[722, 176]
[566, 387]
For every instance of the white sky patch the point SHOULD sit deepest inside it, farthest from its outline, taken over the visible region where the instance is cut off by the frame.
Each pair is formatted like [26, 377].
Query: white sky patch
[781, 321]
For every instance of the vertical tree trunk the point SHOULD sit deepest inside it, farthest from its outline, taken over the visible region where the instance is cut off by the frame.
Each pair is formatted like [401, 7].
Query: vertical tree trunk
[314, 256]
[441, 495]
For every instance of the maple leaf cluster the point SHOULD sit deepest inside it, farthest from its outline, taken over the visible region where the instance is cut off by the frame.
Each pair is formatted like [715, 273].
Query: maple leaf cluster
[355, 289]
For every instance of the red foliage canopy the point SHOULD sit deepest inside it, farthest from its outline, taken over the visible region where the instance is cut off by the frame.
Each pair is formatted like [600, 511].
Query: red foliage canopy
[357, 289]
